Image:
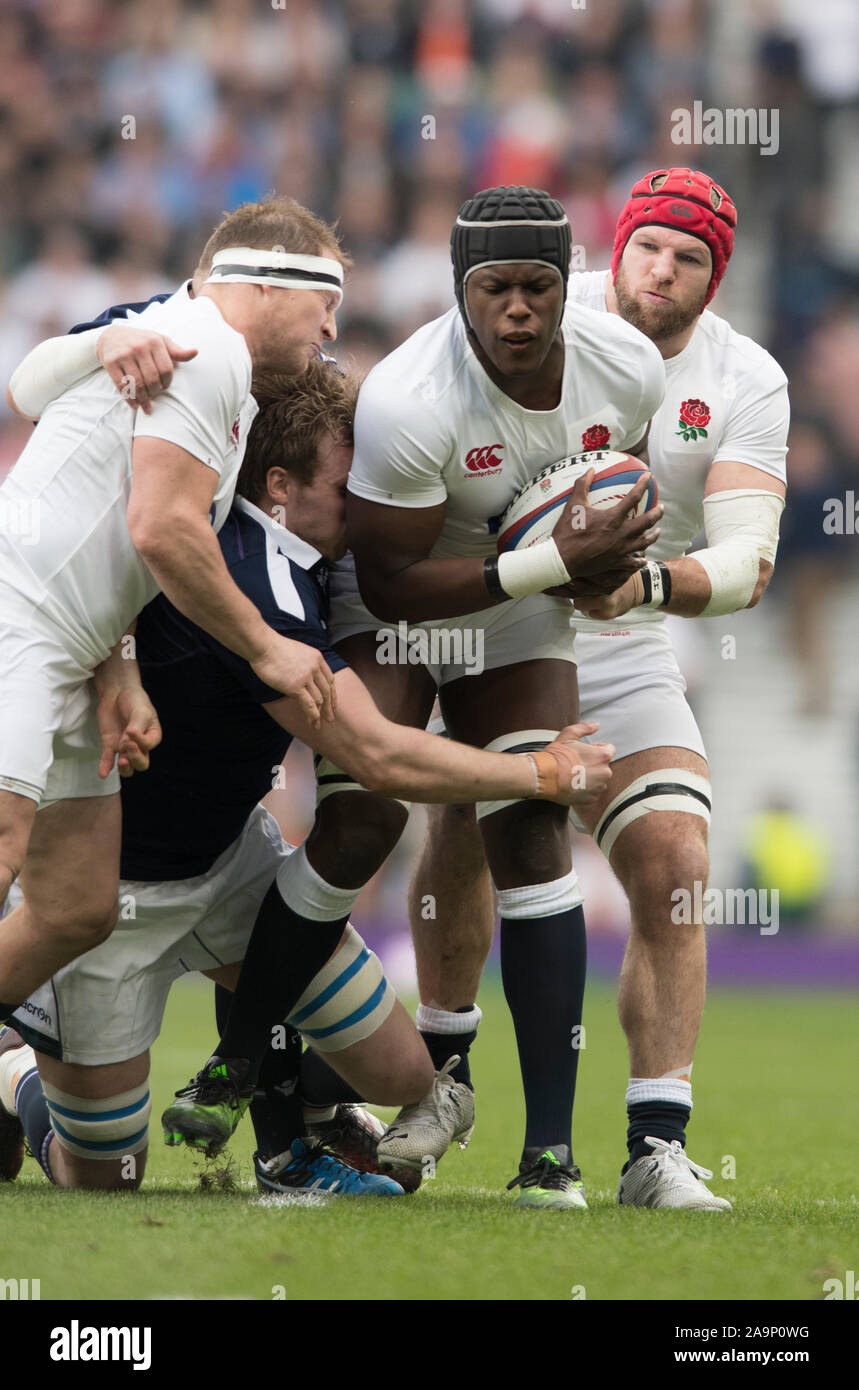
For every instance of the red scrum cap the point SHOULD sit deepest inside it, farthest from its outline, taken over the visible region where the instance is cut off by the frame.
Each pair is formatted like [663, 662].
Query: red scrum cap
[688, 201]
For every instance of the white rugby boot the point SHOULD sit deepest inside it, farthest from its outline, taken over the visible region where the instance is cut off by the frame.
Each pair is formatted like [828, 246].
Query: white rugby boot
[668, 1178]
[427, 1128]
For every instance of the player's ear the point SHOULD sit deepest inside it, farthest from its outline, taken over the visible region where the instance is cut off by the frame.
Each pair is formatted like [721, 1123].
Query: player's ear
[277, 481]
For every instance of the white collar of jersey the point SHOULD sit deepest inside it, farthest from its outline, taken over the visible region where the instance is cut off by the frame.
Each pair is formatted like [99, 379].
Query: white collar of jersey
[290, 545]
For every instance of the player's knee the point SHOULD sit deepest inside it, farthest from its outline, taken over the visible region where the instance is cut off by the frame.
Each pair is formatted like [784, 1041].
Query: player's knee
[454, 830]
[84, 926]
[352, 836]
[533, 847]
[653, 882]
[103, 1141]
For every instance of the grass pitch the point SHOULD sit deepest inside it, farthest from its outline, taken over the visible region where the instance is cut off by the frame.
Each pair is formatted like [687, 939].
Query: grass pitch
[775, 1101]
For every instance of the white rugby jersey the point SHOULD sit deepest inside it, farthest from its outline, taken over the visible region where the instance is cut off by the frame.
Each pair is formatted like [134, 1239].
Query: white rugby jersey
[725, 399]
[431, 426]
[70, 553]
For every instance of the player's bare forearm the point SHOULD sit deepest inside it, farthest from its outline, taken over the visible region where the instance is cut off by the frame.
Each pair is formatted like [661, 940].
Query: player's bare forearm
[397, 576]
[120, 671]
[690, 592]
[394, 760]
[426, 589]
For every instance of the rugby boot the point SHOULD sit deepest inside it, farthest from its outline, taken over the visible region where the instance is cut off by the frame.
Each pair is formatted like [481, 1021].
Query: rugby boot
[309, 1167]
[205, 1113]
[422, 1132]
[548, 1178]
[667, 1178]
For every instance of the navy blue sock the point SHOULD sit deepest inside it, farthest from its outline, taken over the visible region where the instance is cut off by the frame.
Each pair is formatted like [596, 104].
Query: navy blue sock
[321, 1085]
[276, 1110]
[663, 1119]
[35, 1118]
[441, 1046]
[543, 966]
[284, 953]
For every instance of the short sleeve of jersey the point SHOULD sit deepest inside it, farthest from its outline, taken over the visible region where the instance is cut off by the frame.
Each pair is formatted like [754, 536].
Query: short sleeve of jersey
[756, 429]
[198, 410]
[400, 449]
[652, 393]
[288, 626]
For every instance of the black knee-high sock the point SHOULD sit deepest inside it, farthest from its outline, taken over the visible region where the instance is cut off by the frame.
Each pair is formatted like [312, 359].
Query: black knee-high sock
[32, 1109]
[321, 1085]
[543, 964]
[276, 1109]
[284, 953]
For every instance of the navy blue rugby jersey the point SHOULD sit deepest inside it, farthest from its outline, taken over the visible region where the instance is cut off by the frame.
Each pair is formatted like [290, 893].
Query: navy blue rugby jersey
[220, 746]
[120, 311]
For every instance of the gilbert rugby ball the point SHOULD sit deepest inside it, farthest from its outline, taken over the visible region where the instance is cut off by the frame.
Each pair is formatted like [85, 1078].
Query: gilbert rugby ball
[533, 513]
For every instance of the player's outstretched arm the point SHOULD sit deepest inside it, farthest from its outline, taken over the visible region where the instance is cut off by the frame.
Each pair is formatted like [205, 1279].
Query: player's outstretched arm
[168, 521]
[394, 760]
[139, 362]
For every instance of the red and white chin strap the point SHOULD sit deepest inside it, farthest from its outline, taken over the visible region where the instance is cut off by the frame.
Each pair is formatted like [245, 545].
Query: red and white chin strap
[287, 269]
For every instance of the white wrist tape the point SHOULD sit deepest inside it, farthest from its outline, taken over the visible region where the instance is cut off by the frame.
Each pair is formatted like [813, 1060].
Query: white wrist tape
[523, 572]
[742, 530]
[51, 368]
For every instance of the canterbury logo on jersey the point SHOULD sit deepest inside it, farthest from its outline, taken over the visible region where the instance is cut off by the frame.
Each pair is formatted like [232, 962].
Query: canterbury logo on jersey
[482, 459]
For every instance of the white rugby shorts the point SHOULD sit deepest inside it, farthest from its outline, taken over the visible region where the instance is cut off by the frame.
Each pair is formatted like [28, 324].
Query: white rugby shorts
[108, 1005]
[526, 629]
[49, 740]
[630, 682]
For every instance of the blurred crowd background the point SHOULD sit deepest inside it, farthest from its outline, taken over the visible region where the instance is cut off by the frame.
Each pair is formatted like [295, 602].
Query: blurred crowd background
[128, 126]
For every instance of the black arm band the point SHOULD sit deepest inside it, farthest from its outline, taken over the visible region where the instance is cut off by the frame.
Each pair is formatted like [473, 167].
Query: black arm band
[491, 580]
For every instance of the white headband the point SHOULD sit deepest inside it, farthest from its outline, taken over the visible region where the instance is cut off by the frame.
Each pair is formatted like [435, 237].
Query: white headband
[287, 269]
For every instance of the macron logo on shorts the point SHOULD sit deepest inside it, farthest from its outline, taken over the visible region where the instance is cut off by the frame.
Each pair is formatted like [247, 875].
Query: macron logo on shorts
[484, 459]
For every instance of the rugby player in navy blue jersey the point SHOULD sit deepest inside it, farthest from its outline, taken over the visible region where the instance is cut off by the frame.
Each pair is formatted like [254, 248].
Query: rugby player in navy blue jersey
[200, 856]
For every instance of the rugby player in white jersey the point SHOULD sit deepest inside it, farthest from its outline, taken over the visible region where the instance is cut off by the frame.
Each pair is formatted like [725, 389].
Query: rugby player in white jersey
[717, 449]
[448, 427]
[104, 508]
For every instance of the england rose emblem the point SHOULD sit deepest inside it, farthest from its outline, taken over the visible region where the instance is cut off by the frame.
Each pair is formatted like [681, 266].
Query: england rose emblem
[597, 436]
[694, 415]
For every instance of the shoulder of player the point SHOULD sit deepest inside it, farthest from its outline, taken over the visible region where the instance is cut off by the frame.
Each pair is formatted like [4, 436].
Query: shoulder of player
[587, 287]
[605, 335]
[199, 323]
[756, 365]
[418, 373]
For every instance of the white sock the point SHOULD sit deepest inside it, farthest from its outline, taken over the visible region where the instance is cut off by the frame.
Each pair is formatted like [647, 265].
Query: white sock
[443, 1021]
[14, 1066]
[674, 1086]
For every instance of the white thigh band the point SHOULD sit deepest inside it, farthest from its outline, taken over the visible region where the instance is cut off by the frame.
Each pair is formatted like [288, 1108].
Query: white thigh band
[742, 530]
[331, 779]
[525, 741]
[110, 1128]
[668, 789]
[347, 1001]
[540, 899]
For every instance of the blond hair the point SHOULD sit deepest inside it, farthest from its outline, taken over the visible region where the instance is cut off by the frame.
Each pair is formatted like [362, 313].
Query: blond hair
[280, 223]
